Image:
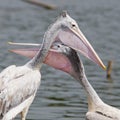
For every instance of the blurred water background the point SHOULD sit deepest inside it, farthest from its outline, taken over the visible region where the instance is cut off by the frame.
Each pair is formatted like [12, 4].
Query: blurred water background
[60, 97]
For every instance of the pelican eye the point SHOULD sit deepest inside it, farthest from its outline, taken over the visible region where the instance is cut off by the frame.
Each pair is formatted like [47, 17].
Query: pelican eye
[58, 46]
[73, 25]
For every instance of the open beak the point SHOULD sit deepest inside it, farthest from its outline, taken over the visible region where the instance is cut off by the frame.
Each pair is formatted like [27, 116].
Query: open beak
[51, 59]
[75, 39]
[28, 52]
[72, 38]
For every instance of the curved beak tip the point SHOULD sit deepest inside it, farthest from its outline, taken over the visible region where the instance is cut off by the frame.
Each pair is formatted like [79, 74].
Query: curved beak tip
[104, 67]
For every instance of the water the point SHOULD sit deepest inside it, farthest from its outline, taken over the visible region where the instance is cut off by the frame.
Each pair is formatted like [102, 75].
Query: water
[59, 96]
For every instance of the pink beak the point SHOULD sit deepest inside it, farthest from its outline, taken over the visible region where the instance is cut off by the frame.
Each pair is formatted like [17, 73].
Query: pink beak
[77, 41]
[54, 59]
[74, 40]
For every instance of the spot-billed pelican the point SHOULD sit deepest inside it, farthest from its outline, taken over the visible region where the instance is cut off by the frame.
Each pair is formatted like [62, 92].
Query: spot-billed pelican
[67, 60]
[18, 85]
[65, 30]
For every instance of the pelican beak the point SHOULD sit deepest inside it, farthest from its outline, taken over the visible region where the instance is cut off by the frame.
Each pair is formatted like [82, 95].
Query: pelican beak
[51, 59]
[27, 52]
[30, 53]
[75, 39]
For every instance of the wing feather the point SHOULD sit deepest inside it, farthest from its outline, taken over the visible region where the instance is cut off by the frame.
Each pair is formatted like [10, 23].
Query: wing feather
[21, 83]
[14, 111]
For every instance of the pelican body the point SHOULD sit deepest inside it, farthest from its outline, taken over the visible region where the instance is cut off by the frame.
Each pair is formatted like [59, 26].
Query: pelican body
[68, 58]
[64, 30]
[97, 109]
[18, 85]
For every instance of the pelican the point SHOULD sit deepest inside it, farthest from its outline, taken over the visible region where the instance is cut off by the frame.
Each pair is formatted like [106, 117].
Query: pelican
[66, 30]
[18, 85]
[25, 80]
[67, 60]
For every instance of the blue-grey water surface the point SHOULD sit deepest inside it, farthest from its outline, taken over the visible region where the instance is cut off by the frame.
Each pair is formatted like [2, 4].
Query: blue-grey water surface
[60, 97]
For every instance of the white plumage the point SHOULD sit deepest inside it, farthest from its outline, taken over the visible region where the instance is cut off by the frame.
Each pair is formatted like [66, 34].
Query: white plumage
[17, 85]
[97, 109]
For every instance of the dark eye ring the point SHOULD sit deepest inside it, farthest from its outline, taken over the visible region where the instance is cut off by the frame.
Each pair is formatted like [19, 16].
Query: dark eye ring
[58, 46]
[73, 25]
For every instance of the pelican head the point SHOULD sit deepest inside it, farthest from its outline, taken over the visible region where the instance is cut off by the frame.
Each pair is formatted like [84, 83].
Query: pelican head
[66, 30]
[66, 59]
[60, 57]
